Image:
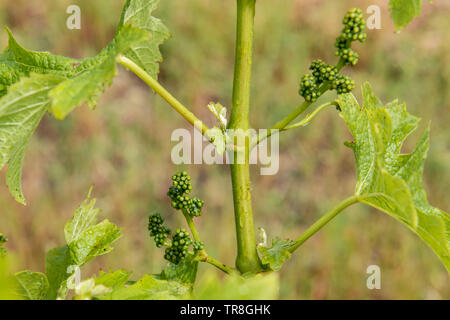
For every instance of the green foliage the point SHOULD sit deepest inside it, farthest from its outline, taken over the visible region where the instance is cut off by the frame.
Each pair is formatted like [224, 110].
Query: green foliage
[32, 83]
[388, 179]
[235, 287]
[31, 285]
[404, 11]
[276, 255]
[17, 63]
[86, 239]
[146, 54]
[3, 240]
[149, 288]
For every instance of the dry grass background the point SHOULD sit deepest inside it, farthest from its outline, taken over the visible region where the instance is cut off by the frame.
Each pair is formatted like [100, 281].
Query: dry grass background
[123, 147]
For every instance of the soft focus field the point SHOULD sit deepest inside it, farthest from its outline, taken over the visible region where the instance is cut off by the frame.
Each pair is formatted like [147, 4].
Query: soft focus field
[123, 147]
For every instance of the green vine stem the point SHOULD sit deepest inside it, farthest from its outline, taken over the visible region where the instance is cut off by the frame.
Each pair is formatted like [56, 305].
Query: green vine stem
[247, 257]
[159, 89]
[319, 224]
[203, 255]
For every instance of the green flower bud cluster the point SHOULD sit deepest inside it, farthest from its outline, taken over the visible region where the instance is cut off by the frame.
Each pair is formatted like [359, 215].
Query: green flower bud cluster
[158, 231]
[179, 248]
[198, 246]
[309, 88]
[343, 84]
[178, 194]
[322, 71]
[354, 26]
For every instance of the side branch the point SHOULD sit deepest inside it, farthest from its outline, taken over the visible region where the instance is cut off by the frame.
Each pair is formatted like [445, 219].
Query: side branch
[159, 89]
[319, 224]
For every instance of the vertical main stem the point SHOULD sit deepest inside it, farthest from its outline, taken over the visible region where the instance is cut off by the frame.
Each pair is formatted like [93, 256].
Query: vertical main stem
[247, 258]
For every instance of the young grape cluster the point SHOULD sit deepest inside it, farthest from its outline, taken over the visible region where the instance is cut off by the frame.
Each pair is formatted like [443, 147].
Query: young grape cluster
[322, 71]
[177, 245]
[179, 249]
[310, 90]
[198, 246]
[178, 193]
[343, 84]
[354, 26]
[158, 231]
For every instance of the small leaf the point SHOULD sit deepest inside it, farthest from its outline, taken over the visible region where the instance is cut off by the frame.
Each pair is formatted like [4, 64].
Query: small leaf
[31, 285]
[84, 217]
[404, 11]
[388, 179]
[146, 54]
[220, 112]
[114, 279]
[184, 272]
[57, 263]
[94, 241]
[275, 256]
[85, 241]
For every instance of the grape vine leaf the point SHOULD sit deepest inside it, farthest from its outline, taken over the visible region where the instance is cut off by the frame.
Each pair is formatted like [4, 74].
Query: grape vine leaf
[146, 54]
[275, 256]
[31, 285]
[17, 62]
[86, 239]
[184, 272]
[21, 110]
[113, 280]
[50, 83]
[404, 11]
[149, 288]
[388, 179]
[88, 85]
[264, 286]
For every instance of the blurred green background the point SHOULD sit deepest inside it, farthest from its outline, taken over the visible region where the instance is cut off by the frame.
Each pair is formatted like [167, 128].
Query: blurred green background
[123, 147]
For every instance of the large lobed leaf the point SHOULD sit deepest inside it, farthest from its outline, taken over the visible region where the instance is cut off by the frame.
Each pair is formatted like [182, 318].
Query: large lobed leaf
[21, 110]
[404, 11]
[388, 179]
[33, 82]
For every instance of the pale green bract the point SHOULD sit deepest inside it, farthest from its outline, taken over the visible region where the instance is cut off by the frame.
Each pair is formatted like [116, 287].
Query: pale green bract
[277, 254]
[387, 179]
[404, 11]
[31, 285]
